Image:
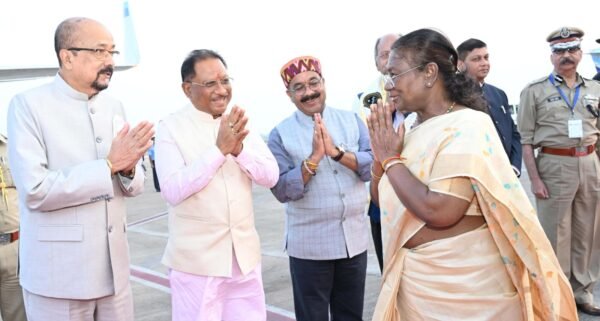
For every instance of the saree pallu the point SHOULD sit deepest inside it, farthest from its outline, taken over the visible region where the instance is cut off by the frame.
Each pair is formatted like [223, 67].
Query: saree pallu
[441, 283]
[464, 143]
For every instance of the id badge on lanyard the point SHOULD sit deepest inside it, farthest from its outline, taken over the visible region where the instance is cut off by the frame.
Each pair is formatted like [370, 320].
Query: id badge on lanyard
[575, 125]
[575, 128]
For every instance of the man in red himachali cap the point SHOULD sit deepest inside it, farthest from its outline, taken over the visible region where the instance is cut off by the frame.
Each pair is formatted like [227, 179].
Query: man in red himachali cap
[324, 158]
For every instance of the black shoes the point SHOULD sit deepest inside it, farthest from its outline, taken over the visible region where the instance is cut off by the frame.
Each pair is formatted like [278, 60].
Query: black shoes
[589, 308]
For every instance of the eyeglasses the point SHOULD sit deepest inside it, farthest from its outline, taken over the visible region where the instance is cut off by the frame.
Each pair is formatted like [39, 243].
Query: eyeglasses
[384, 55]
[391, 80]
[561, 51]
[225, 82]
[99, 53]
[300, 89]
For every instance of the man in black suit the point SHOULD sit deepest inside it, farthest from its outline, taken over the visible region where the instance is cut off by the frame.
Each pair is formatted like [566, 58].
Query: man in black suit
[473, 60]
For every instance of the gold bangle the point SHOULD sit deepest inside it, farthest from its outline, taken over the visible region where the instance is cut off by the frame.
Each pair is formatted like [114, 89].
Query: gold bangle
[389, 159]
[373, 174]
[311, 163]
[312, 172]
[392, 163]
[110, 167]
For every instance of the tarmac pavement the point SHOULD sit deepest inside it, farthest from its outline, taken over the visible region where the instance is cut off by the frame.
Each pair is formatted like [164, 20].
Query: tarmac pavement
[148, 231]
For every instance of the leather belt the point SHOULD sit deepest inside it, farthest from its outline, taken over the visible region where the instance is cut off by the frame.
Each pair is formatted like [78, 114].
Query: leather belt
[573, 151]
[8, 238]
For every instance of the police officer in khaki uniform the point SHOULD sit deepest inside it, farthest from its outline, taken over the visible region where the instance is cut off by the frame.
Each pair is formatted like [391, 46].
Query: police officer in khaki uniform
[558, 115]
[11, 295]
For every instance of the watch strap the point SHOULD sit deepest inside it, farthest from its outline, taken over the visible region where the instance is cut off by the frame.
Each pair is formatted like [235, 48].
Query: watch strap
[339, 155]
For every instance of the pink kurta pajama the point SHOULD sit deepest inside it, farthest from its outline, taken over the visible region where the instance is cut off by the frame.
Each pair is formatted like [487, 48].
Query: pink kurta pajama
[213, 249]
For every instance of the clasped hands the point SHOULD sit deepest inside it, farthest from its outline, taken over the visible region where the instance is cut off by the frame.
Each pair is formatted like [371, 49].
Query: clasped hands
[386, 142]
[129, 146]
[232, 132]
[322, 144]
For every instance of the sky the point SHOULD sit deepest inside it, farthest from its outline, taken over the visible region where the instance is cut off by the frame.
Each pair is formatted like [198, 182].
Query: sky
[257, 37]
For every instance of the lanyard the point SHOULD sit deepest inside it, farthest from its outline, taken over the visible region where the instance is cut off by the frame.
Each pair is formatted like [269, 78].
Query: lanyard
[562, 94]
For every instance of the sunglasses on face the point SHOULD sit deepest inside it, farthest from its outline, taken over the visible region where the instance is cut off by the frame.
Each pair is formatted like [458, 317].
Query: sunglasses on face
[560, 51]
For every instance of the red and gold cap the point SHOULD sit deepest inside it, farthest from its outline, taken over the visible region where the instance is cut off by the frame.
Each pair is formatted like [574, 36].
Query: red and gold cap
[299, 65]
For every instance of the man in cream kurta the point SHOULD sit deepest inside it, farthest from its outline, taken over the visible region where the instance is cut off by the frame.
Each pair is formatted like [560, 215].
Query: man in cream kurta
[207, 161]
[73, 160]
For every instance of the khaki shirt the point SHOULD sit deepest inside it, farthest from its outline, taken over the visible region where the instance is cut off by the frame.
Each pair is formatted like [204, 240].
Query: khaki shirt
[9, 212]
[543, 115]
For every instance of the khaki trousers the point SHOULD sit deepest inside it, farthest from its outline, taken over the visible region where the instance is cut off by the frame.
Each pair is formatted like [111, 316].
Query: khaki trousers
[571, 217]
[118, 307]
[11, 295]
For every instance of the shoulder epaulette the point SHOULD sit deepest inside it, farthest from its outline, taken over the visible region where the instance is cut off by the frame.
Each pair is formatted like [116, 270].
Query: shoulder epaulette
[537, 81]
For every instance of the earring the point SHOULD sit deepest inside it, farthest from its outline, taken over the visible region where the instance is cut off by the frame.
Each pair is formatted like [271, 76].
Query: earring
[428, 85]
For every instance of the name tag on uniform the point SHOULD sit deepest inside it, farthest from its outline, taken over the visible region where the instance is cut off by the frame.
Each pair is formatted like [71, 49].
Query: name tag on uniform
[575, 128]
[555, 98]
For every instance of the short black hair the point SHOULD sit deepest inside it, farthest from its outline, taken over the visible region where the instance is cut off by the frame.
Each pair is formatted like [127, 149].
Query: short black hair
[187, 67]
[467, 46]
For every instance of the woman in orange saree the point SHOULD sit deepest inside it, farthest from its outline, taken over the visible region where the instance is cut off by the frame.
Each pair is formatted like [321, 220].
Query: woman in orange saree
[461, 239]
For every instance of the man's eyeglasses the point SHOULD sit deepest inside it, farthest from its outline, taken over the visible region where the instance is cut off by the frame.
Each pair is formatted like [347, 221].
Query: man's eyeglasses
[300, 89]
[99, 53]
[560, 51]
[225, 82]
[390, 79]
[383, 55]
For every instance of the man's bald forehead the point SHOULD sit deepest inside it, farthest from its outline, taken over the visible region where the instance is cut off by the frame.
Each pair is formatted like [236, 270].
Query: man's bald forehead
[390, 37]
[70, 29]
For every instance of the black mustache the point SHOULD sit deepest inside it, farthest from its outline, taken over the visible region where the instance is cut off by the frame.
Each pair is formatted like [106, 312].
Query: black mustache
[566, 60]
[309, 97]
[108, 69]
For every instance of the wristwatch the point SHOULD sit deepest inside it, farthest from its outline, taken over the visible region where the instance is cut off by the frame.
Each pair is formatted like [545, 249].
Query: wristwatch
[131, 174]
[340, 154]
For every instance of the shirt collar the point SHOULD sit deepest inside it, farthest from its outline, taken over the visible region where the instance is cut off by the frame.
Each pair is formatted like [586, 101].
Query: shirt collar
[203, 116]
[66, 89]
[558, 79]
[306, 120]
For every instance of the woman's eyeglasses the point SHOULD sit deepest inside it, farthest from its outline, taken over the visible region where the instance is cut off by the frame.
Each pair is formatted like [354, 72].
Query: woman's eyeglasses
[390, 79]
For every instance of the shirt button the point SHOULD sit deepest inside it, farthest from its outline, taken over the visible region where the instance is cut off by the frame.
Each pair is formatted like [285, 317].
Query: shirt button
[343, 195]
[92, 111]
[98, 140]
[335, 171]
[110, 229]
